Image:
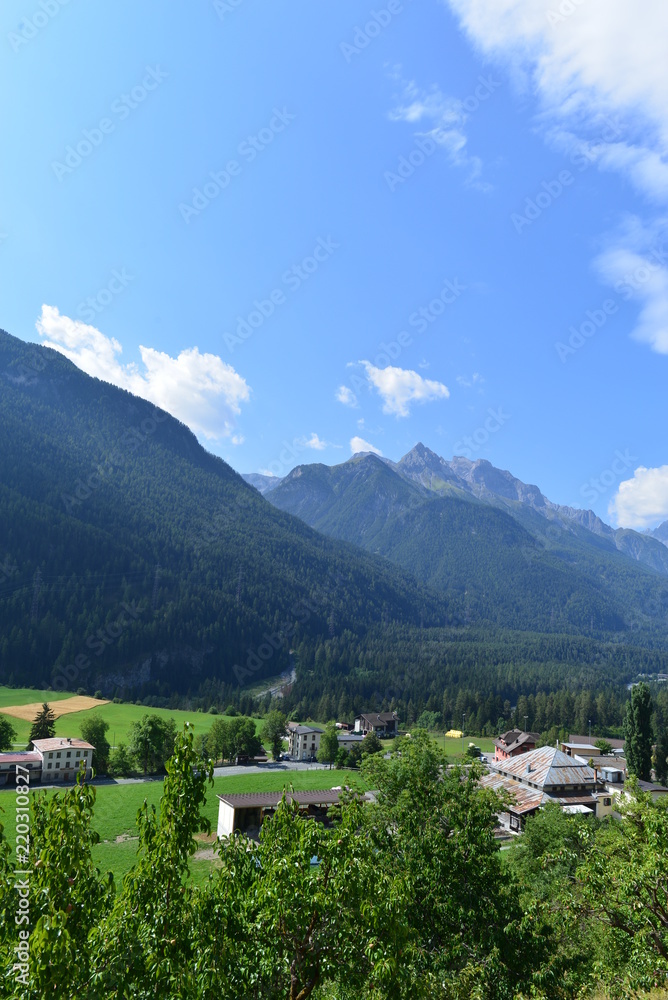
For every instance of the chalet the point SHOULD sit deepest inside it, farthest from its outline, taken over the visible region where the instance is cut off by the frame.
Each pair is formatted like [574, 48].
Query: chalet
[381, 723]
[513, 743]
[57, 759]
[62, 757]
[545, 775]
[304, 742]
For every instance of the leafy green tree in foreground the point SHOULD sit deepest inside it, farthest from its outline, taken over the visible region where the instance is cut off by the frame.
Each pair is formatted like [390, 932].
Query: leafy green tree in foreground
[93, 729]
[604, 748]
[638, 732]
[275, 728]
[7, 734]
[44, 724]
[622, 883]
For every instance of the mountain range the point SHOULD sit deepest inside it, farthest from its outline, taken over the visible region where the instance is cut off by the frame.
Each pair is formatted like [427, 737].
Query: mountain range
[483, 537]
[134, 562]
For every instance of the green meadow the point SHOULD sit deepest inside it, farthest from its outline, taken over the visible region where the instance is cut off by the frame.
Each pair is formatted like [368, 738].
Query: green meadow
[120, 717]
[116, 808]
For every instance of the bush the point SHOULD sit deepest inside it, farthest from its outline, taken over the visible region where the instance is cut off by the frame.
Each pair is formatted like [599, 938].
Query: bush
[231, 710]
[81, 691]
[98, 695]
[213, 710]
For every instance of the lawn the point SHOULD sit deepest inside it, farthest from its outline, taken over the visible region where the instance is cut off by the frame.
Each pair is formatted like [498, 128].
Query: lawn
[116, 809]
[120, 717]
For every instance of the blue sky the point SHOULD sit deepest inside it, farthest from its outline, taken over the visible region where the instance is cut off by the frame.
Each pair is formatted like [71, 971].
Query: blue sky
[307, 229]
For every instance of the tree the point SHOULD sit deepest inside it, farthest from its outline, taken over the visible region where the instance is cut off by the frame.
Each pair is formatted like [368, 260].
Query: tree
[7, 734]
[151, 742]
[638, 733]
[661, 756]
[93, 729]
[371, 744]
[275, 728]
[44, 724]
[120, 762]
[603, 747]
[244, 741]
[329, 745]
[621, 883]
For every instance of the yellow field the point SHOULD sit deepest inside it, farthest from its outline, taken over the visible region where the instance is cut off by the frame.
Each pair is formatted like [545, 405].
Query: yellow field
[78, 703]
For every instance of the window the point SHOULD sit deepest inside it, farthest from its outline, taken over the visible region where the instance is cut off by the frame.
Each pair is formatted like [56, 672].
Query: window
[69, 754]
[49, 766]
[607, 802]
[78, 753]
[58, 756]
[58, 762]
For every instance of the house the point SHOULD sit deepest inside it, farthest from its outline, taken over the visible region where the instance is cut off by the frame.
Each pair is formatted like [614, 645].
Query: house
[304, 742]
[381, 723]
[62, 756]
[245, 813]
[56, 759]
[348, 740]
[27, 760]
[616, 744]
[545, 775]
[513, 743]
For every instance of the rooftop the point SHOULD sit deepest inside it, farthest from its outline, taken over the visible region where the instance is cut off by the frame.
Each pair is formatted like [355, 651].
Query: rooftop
[546, 767]
[305, 730]
[61, 743]
[20, 757]
[251, 800]
[514, 739]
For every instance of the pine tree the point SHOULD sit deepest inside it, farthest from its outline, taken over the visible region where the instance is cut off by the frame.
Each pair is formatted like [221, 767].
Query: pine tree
[638, 733]
[44, 724]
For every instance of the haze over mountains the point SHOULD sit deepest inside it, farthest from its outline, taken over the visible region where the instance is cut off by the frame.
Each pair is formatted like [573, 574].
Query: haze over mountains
[478, 533]
[134, 561]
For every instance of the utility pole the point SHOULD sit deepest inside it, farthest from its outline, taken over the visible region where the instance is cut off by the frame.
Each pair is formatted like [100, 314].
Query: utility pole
[590, 730]
[463, 717]
[525, 722]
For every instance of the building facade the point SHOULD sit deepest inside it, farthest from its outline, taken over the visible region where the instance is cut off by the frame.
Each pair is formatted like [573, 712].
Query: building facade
[304, 742]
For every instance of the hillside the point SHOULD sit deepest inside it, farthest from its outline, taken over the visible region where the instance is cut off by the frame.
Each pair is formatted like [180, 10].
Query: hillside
[498, 549]
[135, 560]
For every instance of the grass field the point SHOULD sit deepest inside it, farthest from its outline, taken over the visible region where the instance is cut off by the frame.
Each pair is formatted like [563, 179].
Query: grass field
[116, 809]
[119, 717]
[64, 706]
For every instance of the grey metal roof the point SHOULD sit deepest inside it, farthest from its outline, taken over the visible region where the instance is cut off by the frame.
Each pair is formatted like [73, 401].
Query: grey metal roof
[305, 730]
[546, 767]
[251, 800]
[524, 799]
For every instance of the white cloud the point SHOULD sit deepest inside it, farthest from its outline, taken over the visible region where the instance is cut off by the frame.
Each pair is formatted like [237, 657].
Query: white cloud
[199, 389]
[636, 264]
[600, 73]
[641, 502]
[358, 444]
[238, 439]
[468, 383]
[445, 118]
[400, 387]
[315, 442]
[346, 396]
